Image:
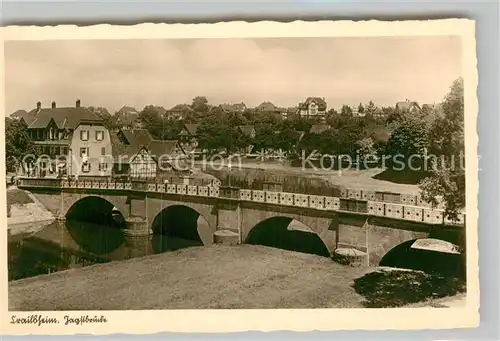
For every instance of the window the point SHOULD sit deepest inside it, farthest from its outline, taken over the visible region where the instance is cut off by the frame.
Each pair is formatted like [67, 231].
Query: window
[103, 166]
[84, 135]
[99, 135]
[58, 150]
[86, 167]
[64, 150]
[103, 150]
[84, 152]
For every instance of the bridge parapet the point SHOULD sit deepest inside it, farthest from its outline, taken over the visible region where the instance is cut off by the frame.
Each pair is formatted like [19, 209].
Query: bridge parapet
[390, 205]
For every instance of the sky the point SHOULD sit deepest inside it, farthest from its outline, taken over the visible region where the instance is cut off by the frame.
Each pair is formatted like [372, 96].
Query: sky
[114, 73]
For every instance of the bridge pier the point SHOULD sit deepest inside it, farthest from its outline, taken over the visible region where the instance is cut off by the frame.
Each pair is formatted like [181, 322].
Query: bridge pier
[137, 227]
[228, 229]
[139, 246]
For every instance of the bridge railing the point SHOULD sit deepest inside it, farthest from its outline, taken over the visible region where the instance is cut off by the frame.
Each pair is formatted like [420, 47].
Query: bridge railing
[32, 182]
[404, 207]
[353, 205]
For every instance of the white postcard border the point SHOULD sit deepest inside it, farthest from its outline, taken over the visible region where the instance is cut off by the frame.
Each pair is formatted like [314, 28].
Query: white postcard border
[152, 321]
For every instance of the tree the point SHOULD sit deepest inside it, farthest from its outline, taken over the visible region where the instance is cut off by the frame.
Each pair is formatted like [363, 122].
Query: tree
[370, 108]
[200, 104]
[346, 110]
[408, 144]
[298, 124]
[250, 114]
[103, 113]
[331, 115]
[17, 144]
[215, 132]
[287, 138]
[313, 142]
[170, 129]
[361, 109]
[209, 134]
[380, 146]
[447, 178]
[236, 119]
[265, 138]
[393, 115]
[366, 149]
[266, 118]
[152, 120]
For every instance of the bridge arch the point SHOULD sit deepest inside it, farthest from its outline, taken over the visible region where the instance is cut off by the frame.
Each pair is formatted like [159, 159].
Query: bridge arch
[92, 224]
[426, 254]
[283, 232]
[72, 200]
[182, 222]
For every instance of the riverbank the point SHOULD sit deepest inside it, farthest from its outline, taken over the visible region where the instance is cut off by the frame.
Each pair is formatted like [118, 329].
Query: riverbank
[362, 179]
[25, 214]
[244, 277]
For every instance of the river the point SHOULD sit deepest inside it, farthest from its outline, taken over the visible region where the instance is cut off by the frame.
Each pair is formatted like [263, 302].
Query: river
[73, 244]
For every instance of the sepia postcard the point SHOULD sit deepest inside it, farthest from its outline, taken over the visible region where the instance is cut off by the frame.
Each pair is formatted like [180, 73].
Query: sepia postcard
[239, 176]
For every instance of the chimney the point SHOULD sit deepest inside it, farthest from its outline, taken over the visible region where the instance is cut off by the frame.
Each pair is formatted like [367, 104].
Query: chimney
[78, 103]
[38, 106]
[53, 104]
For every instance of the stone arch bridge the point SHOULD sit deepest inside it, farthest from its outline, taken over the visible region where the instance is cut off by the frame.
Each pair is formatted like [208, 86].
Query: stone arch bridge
[371, 234]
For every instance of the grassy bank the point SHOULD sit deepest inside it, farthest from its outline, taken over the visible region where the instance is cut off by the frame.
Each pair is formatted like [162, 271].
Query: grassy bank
[246, 276]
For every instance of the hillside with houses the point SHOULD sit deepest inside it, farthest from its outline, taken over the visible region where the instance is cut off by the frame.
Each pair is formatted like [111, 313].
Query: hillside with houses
[158, 143]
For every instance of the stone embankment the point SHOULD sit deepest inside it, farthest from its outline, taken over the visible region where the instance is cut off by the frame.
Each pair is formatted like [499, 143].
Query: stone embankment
[25, 214]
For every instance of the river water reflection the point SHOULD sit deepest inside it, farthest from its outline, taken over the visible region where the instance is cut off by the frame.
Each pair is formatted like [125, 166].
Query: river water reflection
[73, 244]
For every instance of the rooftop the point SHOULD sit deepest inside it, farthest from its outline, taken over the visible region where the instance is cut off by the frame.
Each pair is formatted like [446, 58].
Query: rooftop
[191, 129]
[137, 137]
[319, 128]
[318, 100]
[64, 118]
[406, 105]
[247, 129]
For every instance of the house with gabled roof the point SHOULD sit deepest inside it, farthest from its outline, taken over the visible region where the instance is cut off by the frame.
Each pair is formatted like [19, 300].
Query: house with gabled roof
[289, 112]
[266, 106]
[188, 136]
[128, 121]
[247, 130]
[127, 110]
[138, 156]
[234, 108]
[247, 134]
[179, 112]
[135, 137]
[270, 108]
[407, 106]
[72, 138]
[18, 114]
[313, 107]
[128, 118]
